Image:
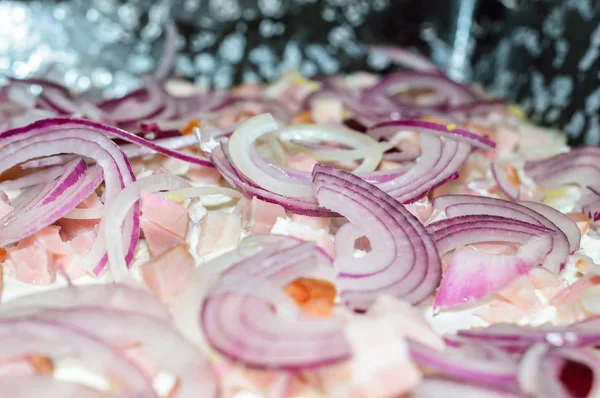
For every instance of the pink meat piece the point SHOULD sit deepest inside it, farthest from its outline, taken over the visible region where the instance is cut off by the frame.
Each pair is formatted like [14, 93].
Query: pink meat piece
[259, 216]
[304, 232]
[379, 354]
[409, 321]
[34, 259]
[546, 281]
[521, 293]
[219, 231]
[205, 175]
[70, 228]
[500, 311]
[300, 162]
[79, 246]
[573, 292]
[313, 222]
[422, 209]
[165, 213]
[327, 110]
[167, 273]
[159, 239]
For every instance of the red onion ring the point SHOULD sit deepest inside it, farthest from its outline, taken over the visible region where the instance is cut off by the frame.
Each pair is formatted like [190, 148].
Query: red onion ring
[459, 205]
[55, 199]
[391, 229]
[24, 335]
[266, 339]
[453, 233]
[472, 362]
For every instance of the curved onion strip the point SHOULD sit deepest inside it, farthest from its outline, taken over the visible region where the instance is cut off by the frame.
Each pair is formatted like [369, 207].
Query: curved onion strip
[541, 368]
[592, 206]
[118, 210]
[119, 328]
[580, 334]
[473, 361]
[54, 160]
[391, 127]
[303, 206]
[141, 105]
[113, 296]
[45, 386]
[57, 136]
[403, 261]
[453, 233]
[432, 387]
[562, 222]
[37, 177]
[501, 179]
[460, 205]
[471, 275]
[579, 166]
[452, 158]
[85, 127]
[23, 336]
[448, 92]
[243, 139]
[56, 198]
[345, 238]
[270, 339]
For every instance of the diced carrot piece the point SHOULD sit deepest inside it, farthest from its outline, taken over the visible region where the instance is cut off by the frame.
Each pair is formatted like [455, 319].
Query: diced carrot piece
[189, 128]
[314, 296]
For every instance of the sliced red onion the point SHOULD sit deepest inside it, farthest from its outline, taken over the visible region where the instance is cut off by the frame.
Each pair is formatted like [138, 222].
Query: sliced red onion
[391, 127]
[52, 338]
[55, 199]
[447, 92]
[141, 106]
[471, 362]
[44, 83]
[559, 372]
[460, 205]
[304, 206]
[121, 329]
[471, 275]
[121, 206]
[403, 261]
[46, 386]
[55, 160]
[406, 58]
[592, 208]
[580, 166]
[501, 179]
[432, 387]
[269, 339]
[580, 334]
[453, 233]
[561, 220]
[81, 137]
[111, 296]
[38, 177]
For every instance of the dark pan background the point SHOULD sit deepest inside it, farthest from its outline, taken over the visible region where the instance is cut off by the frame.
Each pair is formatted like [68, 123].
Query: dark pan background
[542, 54]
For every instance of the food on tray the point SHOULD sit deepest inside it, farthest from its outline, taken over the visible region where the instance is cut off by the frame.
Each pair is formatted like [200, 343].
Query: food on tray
[344, 236]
